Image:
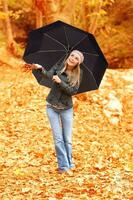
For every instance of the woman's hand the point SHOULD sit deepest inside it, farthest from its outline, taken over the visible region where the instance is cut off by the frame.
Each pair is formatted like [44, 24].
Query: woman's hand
[28, 67]
[56, 79]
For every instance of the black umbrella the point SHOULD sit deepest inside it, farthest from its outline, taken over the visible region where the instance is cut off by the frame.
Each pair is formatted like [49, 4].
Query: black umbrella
[50, 45]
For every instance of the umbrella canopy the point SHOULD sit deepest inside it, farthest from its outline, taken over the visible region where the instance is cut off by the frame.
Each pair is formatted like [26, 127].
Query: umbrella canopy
[50, 45]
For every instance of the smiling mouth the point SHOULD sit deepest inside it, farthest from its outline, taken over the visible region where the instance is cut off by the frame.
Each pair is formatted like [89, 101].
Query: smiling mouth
[71, 61]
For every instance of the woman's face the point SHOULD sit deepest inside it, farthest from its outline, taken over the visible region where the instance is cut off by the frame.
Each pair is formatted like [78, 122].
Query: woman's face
[72, 60]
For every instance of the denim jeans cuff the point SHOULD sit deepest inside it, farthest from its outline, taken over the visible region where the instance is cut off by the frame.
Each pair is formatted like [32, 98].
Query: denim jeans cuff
[63, 169]
[72, 166]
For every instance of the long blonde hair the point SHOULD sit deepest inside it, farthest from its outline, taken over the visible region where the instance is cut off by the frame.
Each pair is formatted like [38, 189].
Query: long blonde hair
[74, 76]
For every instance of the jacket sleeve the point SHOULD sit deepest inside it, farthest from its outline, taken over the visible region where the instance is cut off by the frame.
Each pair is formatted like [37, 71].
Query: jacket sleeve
[69, 89]
[46, 74]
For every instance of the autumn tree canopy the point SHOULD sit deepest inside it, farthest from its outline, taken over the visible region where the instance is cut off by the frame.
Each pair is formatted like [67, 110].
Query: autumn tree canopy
[109, 20]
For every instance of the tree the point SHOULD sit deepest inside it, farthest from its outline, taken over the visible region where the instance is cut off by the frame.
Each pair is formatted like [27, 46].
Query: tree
[51, 9]
[10, 41]
[39, 9]
[68, 11]
[94, 16]
[59, 10]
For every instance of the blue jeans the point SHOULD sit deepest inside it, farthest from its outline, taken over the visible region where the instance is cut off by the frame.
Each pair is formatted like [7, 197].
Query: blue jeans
[61, 122]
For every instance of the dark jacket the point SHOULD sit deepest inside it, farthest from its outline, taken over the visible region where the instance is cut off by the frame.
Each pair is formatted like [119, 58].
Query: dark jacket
[61, 93]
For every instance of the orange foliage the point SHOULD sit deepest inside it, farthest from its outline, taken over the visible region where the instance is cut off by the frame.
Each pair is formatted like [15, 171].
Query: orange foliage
[102, 151]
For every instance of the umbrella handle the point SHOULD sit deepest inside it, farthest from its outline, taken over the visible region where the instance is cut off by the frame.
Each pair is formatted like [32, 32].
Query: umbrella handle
[55, 73]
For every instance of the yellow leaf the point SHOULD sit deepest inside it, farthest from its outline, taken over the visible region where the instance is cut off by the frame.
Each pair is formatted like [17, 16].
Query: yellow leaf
[129, 168]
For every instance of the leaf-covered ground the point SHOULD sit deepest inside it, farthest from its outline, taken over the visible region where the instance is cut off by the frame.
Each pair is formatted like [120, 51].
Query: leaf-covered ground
[102, 148]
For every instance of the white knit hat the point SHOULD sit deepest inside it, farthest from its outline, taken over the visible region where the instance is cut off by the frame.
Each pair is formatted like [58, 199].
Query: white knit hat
[79, 54]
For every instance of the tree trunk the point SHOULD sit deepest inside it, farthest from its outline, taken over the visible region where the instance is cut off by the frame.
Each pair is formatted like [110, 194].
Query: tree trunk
[54, 12]
[84, 14]
[10, 40]
[51, 10]
[68, 11]
[45, 12]
[93, 25]
[39, 18]
[39, 9]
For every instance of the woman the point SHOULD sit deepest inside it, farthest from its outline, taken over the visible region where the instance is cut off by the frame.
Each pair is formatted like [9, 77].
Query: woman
[59, 105]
